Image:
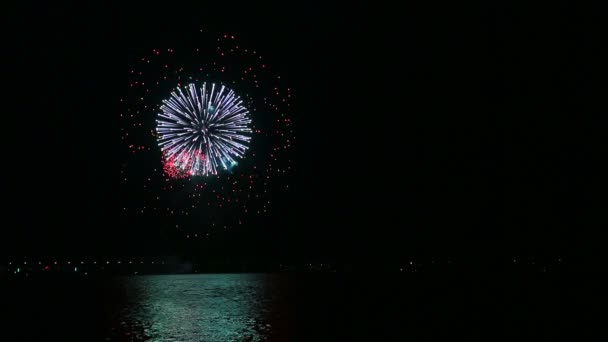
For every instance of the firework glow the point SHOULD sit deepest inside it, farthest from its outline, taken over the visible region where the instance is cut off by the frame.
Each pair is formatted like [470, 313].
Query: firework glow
[202, 130]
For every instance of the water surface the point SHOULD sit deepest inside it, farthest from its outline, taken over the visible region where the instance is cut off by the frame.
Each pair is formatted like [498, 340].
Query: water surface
[288, 307]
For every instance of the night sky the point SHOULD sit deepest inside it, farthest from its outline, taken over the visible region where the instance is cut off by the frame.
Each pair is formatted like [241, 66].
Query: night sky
[422, 131]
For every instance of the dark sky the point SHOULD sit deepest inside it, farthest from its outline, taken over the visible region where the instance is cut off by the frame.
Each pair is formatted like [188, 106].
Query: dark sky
[456, 131]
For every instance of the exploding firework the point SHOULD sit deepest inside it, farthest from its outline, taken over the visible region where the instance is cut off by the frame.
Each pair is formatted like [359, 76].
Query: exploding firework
[200, 130]
[209, 136]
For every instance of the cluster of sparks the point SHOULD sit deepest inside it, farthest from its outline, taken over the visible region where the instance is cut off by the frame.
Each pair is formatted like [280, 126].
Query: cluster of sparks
[201, 157]
[200, 130]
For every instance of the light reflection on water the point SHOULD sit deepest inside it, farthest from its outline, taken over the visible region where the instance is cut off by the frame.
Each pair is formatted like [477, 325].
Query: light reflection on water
[211, 307]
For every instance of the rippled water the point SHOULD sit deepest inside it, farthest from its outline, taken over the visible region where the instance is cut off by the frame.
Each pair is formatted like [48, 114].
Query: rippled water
[287, 307]
[221, 307]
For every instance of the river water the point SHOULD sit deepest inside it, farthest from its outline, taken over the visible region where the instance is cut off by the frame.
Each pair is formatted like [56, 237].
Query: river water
[294, 307]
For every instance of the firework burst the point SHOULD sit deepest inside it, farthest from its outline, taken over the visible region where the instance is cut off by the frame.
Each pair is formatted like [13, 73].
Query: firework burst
[209, 136]
[201, 130]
